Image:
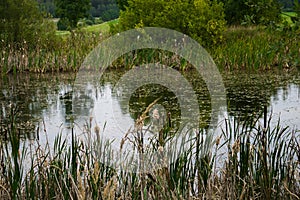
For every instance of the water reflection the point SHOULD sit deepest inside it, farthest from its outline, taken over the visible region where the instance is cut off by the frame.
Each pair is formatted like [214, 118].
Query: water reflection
[54, 100]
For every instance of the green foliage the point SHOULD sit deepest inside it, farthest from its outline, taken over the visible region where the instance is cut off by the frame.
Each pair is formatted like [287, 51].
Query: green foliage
[287, 5]
[21, 21]
[255, 48]
[252, 11]
[201, 19]
[72, 10]
[105, 9]
[47, 6]
[63, 24]
[234, 11]
[296, 19]
[122, 4]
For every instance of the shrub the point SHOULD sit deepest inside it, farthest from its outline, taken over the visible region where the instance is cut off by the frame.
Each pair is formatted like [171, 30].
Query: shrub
[21, 21]
[201, 19]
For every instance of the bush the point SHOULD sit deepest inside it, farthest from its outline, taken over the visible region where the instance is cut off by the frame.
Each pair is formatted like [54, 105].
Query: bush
[203, 20]
[22, 22]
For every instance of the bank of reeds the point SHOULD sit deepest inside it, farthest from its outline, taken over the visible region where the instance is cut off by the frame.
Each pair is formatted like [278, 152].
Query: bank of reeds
[257, 48]
[65, 53]
[257, 163]
[243, 48]
[247, 48]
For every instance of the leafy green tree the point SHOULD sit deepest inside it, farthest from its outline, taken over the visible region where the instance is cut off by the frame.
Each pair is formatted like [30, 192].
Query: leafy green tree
[21, 21]
[235, 10]
[252, 11]
[201, 19]
[122, 4]
[105, 9]
[72, 10]
[47, 6]
[296, 19]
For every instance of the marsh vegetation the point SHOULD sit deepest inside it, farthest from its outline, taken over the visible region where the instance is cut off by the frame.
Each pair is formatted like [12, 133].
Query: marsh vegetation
[258, 54]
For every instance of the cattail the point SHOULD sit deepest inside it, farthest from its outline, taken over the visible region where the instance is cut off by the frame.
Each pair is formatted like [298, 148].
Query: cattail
[97, 131]
[218, 140]
[236, 146]
[160, 149]
[169, 119]
[110, 189]
[122, 143]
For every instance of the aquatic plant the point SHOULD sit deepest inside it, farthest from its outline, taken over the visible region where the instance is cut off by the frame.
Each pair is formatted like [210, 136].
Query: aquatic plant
[259, 162]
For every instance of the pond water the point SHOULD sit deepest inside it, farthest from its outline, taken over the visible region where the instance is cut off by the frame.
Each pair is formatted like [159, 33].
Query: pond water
[48, 104]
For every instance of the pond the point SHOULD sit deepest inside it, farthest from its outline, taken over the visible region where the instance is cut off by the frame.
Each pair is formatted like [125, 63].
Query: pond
[48, 104]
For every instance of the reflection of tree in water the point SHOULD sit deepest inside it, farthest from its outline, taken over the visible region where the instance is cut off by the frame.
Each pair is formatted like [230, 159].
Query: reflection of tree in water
[77, 103]
[32, 94]
[28, 94]
[247, 94]
[66, 102]
[203, 96]
[147, 94]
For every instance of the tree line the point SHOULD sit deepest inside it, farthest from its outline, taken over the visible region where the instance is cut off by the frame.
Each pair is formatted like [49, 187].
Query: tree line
[204, 20]
[105, 9]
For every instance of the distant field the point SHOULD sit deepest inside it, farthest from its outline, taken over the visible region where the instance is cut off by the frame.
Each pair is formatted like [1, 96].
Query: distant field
[103, 28]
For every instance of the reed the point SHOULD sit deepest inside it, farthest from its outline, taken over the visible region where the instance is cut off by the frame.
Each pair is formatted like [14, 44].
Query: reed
[258, 163]
[63, 54]
[250, 48]
[257, 48]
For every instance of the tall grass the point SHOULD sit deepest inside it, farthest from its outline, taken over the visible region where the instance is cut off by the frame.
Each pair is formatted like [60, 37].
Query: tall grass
[65, 54]
[257, 48]
[259, 163]
[251, 48]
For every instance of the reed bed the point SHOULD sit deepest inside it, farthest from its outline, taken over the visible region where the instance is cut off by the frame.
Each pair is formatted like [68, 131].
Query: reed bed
[259, 162]
[250, 48]
[257, 48]
[64, 53]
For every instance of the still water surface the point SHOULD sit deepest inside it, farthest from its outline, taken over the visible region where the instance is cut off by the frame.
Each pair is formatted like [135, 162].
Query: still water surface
[48, 103]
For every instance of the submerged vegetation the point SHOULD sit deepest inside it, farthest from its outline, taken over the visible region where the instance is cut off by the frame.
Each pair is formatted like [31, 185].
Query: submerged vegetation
[247, 161]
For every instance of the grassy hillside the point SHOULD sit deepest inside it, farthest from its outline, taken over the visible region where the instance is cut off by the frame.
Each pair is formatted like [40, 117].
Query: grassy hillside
[97, 28]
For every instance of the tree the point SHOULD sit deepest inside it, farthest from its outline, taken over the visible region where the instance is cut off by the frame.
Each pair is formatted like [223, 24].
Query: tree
[72, 10]
[47, 6]
[252, 11]
[203, 20]
[21, 21]
[288, 5]
[235, 10]
[105, 9]
[122, 4]
[296, 19]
